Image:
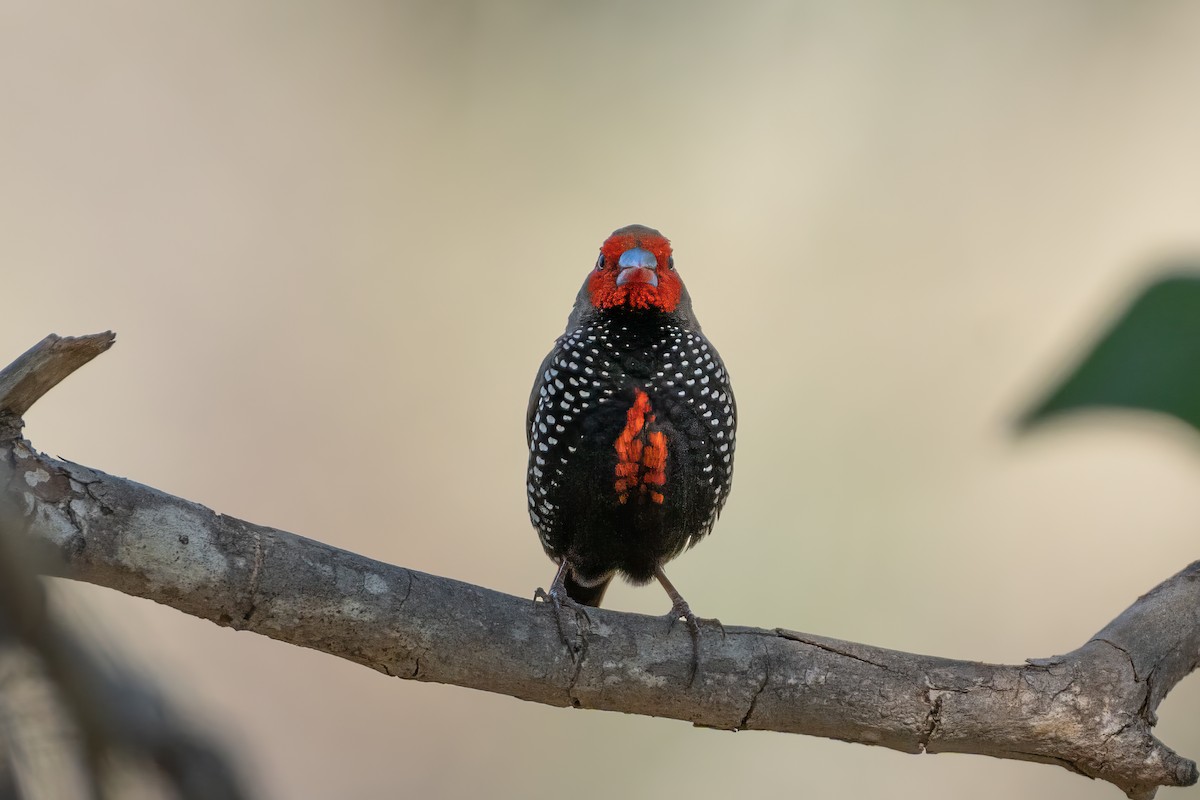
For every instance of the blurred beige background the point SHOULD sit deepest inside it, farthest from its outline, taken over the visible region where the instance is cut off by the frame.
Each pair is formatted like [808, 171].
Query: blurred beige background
[335, 241]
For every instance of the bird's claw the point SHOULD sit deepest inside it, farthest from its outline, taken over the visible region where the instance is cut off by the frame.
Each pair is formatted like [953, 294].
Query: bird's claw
[558, 601]
[680, 610]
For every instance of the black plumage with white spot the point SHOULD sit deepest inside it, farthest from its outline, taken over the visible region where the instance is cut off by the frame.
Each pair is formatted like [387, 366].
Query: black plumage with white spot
[631, 427]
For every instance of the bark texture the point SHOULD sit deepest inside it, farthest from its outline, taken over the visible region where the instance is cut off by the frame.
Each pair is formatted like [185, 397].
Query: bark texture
[1090, 711]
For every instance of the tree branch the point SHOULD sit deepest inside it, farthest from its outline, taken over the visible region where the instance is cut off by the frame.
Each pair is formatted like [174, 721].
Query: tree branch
[124, 723]
[41, 367]
[1090, 711]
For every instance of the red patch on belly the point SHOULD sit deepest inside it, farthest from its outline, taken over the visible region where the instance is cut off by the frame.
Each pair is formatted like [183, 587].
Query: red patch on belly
[641, 454]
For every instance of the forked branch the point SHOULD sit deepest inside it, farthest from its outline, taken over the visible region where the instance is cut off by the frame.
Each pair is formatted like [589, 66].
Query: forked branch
[1090, 710]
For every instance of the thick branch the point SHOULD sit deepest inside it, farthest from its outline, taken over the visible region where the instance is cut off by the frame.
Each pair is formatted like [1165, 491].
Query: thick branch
[1090, 711]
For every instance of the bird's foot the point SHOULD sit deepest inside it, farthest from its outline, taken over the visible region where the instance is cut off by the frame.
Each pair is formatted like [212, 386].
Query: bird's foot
[558, 598]
[680, 610]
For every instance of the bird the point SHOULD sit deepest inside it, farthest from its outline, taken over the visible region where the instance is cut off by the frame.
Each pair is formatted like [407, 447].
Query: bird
[631, 428]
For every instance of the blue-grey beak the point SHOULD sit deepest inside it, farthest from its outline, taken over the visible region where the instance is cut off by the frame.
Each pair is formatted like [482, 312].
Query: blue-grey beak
[637, 266]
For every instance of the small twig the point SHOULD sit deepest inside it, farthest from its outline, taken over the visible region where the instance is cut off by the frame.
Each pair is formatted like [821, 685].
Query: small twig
[40, 368]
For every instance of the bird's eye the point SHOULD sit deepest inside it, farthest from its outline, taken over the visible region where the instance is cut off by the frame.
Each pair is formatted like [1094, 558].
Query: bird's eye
[671, 262]
[600, 262]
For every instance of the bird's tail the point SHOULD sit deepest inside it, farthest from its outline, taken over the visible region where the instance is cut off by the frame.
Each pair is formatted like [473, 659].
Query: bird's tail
[586, 595]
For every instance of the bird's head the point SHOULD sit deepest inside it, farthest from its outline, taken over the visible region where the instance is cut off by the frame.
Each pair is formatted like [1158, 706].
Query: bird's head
[635, 270]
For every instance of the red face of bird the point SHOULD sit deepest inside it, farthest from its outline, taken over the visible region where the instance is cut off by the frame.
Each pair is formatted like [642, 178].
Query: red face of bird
[635, 270]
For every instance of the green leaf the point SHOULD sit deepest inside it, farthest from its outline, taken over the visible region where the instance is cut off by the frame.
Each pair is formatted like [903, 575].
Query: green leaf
[1149, 359]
